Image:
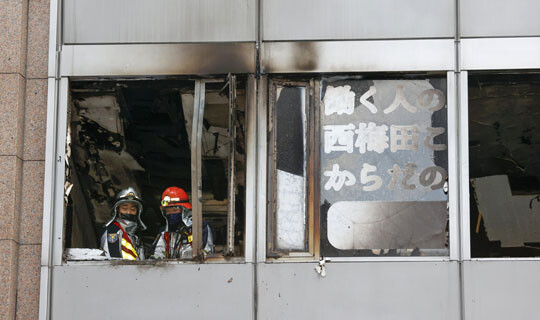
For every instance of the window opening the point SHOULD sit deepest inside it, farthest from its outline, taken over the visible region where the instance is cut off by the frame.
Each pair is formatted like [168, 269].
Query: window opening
[223, 159]
[380, 167]
[138, 134]
[504, 143]
[289, 223]
[384, 164]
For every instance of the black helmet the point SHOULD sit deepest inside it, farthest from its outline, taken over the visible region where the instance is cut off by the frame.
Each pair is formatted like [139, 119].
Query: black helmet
[124, 196]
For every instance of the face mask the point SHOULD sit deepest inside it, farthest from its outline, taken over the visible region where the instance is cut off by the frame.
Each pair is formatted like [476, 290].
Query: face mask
[174, 220]
[131, 227]
[128, 217]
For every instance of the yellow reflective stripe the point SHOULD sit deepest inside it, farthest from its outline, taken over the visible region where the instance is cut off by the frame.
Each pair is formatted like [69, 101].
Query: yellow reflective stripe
[127, 256]
[128, 246]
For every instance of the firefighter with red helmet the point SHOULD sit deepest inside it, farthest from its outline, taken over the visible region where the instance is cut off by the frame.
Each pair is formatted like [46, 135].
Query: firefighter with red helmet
[174, 241]
[120, 237]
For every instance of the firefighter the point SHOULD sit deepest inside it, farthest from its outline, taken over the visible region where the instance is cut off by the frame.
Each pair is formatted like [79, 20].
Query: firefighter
[119, 239]
[174, 241]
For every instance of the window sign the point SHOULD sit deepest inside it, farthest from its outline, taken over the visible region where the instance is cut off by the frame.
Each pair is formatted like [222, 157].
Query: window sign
[384, 167]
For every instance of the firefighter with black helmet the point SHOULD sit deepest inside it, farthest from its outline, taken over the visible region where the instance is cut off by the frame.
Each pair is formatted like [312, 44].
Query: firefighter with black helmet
[120, 238]
[174, 241]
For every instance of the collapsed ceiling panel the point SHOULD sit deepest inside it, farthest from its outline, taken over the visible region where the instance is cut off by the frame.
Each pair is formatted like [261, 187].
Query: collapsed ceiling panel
[512, 220]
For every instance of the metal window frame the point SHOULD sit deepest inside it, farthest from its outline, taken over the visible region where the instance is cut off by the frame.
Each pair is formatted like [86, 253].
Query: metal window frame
[251, 171]
[464, 207]
[196, 167]
[311, 110]
[454, 196]
[455, 177]
[53, 239]
[262, 156]
[196, 163]
[54, 211]
[466, 254]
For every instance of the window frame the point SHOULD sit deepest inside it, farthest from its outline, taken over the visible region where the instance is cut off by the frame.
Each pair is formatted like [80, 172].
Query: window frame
[465, 223]
[53, 251]
[311, 210]
[455, 176]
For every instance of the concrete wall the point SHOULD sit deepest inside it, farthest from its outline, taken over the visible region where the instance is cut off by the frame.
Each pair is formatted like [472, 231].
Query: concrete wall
[24, 26]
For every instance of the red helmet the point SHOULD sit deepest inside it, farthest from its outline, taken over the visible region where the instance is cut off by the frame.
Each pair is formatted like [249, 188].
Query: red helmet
[174, 196]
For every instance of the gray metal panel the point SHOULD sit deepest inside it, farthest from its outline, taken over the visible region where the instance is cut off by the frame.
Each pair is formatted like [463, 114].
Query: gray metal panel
[54, 37]
[463, 129]
[500, 53]
[157, 59]
[481, 18]
[358, 56]
[357, 19]
[188, 291]
[251, 170]
[501, 289]
[262, 156]
[453, 168]
[139, 21]
[57, 240]
[369, 290]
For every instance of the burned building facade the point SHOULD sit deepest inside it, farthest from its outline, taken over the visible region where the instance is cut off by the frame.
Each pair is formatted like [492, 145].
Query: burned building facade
[353, 158]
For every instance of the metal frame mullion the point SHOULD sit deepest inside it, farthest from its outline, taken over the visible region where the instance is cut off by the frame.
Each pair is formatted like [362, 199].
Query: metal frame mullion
[251, 171]
[231, 170]
[60, 173]
[196, 166]
[464, 166]
[453, 175]
[262, 185]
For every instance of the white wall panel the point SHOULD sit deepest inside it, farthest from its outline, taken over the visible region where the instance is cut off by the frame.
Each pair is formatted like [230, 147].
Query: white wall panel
[501, 290]
[500, 53]
[369, 290]
[496, 18]
[139, 21]
[357, 19]
[166, 291]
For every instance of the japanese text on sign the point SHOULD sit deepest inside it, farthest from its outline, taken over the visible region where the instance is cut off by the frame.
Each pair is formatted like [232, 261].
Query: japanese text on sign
[386, 138]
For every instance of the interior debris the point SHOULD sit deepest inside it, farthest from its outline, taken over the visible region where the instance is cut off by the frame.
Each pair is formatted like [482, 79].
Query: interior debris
[504, 166]
[137, 133]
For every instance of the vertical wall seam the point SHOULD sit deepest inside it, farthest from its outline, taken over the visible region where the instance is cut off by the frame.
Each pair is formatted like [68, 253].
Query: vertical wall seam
[457, 75]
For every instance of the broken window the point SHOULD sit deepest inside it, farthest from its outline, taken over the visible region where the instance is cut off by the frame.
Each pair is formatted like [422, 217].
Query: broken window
[504, 170]
[139, 133]
[288, 230]
[380, 146]
[223, 159]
